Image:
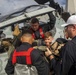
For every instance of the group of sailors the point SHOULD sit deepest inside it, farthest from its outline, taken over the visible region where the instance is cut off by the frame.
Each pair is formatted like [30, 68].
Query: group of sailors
[49, 56]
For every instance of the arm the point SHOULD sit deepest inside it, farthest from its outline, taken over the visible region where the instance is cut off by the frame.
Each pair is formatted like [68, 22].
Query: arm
[17, 35]
[67, 59]
[50, 25]
[40, 63]
[52, 19]
[55, 65]
[49, 54]
[9, 67]
[16, 40]
[63, 66]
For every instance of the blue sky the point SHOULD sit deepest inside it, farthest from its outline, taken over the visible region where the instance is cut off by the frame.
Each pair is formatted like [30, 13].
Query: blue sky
[61, 2]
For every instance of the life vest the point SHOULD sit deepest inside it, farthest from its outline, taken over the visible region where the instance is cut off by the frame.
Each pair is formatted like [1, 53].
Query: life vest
[24, 69]
[23, 53]
[41, 33]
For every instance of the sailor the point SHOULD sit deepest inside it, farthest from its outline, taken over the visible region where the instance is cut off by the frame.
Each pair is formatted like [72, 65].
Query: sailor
[67, 64]
[36, 56]
[37, 29]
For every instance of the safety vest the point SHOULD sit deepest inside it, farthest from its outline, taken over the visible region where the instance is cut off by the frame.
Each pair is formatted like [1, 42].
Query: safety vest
[41, 33]
[23, 53]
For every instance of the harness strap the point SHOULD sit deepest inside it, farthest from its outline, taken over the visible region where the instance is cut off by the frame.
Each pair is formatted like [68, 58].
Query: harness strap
[23, 53]
[41, 33]
[33, 35]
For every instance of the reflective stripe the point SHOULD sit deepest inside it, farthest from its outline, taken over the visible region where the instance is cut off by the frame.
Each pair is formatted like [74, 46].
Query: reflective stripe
[23, 53]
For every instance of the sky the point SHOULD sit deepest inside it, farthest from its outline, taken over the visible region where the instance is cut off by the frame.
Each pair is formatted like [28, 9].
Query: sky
[61, 2]
[8, 6]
